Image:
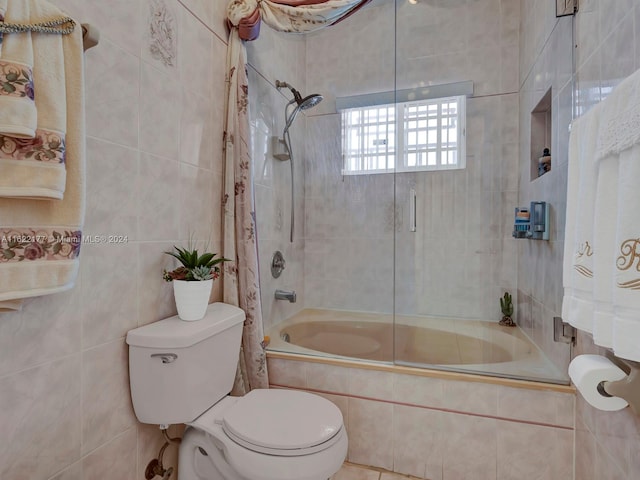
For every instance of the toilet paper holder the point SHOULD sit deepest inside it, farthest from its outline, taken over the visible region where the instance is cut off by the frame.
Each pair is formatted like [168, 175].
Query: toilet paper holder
[628, 388]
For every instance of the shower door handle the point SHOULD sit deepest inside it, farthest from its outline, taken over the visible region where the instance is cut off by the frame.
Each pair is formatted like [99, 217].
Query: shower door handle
[412, 210]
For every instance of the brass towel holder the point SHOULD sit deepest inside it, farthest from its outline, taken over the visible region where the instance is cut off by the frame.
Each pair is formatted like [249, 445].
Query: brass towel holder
[60, 26]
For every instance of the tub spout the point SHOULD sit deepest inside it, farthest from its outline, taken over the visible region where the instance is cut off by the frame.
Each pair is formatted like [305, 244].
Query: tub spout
[286, 295]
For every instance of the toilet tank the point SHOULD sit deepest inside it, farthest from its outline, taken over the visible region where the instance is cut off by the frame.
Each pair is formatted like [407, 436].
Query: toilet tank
[179, 369]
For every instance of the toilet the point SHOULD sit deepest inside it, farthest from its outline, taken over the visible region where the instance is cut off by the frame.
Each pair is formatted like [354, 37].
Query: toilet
[182, 372]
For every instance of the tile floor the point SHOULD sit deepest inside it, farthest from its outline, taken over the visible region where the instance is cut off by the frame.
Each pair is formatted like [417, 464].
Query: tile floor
[350, 471]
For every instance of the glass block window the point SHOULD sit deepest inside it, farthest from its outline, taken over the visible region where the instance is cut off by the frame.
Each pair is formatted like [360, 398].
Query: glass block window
[403, 137]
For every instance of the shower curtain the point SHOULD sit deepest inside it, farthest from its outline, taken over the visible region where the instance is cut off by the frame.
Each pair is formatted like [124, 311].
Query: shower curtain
[241, 285]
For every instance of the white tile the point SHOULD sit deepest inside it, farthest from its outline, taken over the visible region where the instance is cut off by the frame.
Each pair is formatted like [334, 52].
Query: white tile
[195, 57]
[158, 210]
[118, 21]
[40, 417]
[112, 204]
[106, 401]
[160, 107]
[370, 383]
[418, 441]
[369, 441]
[116, 459]
[155, 295]
[287, 373]
[112, 91]
[531, 451]
[47, 328]
[328, 377]
[470, 448]
[109, 300]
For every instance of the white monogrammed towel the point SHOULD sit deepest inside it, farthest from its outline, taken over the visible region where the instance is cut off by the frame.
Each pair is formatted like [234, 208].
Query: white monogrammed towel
[579, 252]
[619, 142]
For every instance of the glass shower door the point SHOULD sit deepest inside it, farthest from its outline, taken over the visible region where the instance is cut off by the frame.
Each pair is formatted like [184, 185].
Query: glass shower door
[454, 253]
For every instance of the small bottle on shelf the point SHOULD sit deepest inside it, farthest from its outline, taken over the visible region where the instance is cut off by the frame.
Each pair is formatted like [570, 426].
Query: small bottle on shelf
[544, 162]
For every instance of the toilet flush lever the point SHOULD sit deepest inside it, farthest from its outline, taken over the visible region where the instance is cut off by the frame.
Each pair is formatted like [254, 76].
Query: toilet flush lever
[165, 357]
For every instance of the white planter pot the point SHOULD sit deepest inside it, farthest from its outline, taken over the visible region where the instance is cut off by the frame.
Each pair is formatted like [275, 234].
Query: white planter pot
[192, 298]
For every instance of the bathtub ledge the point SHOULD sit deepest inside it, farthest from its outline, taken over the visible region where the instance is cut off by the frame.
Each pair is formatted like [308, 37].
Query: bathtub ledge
[424, 372]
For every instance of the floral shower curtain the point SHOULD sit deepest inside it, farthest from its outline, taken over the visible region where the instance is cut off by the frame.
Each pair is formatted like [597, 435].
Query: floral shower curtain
[241, 281]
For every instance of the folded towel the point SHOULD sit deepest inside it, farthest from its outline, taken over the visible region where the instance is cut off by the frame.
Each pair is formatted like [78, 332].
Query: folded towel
[626, 296]
[578, 305]
[34, 168]
[605, 225]
[40, 241]
[616, 266]
[17, 109]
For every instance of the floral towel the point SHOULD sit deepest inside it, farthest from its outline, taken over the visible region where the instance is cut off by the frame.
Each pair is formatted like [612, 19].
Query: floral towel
[40, 241]
[18, 116]
[34, 167]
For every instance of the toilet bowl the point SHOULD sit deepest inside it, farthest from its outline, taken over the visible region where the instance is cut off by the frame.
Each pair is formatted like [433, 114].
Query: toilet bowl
[182, 372]
[234, 440]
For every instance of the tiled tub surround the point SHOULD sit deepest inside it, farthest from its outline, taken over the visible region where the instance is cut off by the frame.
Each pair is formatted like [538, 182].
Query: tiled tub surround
[442, 425]
[442, 343]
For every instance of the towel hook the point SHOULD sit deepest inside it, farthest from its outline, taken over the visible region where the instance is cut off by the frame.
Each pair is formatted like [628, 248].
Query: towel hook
[90, 36]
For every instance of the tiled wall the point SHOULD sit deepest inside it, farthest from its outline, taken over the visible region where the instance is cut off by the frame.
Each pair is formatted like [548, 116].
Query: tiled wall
[154, 174]
[540, 262]
[607, 39]
[277, 56]
[443, 429]
[462, 257]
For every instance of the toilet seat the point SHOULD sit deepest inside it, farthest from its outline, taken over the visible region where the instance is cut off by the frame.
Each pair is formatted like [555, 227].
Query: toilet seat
[282, 422]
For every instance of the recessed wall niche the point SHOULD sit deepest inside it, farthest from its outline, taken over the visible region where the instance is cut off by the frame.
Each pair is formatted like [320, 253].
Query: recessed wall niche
[541, 137]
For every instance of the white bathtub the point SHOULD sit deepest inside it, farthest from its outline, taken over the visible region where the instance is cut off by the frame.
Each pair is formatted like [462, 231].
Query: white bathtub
[472, 346]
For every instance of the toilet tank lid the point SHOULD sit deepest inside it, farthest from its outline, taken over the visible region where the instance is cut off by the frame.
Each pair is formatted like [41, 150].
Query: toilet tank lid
[175, 333]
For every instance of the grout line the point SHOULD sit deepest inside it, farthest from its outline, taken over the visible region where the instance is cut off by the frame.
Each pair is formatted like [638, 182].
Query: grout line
[438, 409]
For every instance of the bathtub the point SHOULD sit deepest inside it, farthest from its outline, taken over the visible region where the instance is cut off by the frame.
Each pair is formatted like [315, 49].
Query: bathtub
[459, 345]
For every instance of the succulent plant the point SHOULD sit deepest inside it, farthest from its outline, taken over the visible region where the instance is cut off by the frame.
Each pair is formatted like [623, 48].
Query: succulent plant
[201, 273]
[506, 304]
[195, 267]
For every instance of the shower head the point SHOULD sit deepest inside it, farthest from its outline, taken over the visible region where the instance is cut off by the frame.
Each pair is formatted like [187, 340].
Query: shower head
[310, 101]
[299, 102]
[303, 103]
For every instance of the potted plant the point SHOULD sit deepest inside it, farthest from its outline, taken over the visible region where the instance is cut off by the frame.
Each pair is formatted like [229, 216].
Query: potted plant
[506, 305]
[193, 281]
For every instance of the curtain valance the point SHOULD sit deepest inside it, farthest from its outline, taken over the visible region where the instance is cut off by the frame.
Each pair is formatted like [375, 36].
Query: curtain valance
[296, 16]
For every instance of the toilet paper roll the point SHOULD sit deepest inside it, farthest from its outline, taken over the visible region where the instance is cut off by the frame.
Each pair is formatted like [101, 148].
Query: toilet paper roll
[587, 371]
